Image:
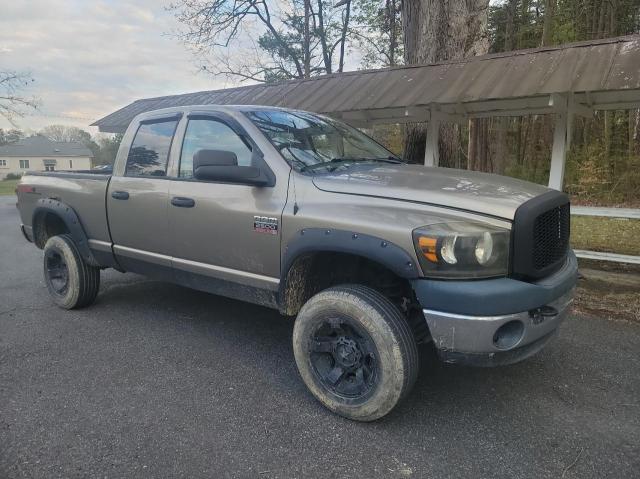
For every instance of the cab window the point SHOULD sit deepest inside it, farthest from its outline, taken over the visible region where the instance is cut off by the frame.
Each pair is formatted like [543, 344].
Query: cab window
[209, 134]
[149, 151]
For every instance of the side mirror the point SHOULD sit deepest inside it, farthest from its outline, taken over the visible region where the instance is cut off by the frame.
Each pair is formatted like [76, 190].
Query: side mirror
[218, 165]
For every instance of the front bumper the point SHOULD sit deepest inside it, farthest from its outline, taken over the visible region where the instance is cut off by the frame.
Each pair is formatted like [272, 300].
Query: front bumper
[496, 321]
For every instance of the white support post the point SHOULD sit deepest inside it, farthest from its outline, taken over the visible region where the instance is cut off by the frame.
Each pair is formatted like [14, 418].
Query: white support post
[432, 152]
[561, 140]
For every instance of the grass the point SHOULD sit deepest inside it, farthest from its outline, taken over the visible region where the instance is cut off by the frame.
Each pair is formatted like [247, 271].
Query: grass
[611, 235]
[8, 187]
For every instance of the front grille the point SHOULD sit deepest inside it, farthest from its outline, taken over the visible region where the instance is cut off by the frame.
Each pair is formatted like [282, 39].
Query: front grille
[550, 237]
[540, 236]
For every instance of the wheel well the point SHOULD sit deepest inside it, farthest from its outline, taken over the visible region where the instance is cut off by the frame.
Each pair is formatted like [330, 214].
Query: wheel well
[314, 272]
[46, 225]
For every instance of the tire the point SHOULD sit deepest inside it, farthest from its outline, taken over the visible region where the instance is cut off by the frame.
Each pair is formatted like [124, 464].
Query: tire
[355, 351]
[72, 283]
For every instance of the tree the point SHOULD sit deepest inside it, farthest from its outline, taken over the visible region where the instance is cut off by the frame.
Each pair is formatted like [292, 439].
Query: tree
[10, 136]
[377, 31]
[66, 133]
[285, 40]
[603, 163]
[71, 133]
[548, 23]
[12, 103]
[108, 149]
[436, 31]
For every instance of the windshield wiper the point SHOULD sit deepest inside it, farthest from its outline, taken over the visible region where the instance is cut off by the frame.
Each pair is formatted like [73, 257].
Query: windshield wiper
[336, 162]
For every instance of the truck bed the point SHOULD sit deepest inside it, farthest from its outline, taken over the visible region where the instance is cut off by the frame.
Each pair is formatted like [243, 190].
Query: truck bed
[84, 191]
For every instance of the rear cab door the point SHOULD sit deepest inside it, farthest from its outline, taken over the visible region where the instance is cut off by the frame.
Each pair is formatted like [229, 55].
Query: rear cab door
[225, 237]
[138, 196]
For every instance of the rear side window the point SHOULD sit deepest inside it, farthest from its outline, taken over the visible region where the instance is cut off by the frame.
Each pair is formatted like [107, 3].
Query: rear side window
[205, 134]
[149, 151]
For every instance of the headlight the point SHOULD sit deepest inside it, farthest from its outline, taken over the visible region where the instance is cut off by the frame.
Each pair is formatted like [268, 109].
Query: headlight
[462, 250]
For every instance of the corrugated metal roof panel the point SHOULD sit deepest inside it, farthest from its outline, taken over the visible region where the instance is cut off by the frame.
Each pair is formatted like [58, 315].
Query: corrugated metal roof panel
[611, 64]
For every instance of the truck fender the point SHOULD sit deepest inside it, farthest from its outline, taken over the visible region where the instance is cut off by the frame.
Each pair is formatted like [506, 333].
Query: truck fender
[298, 252]
[390, 255]
[70, 218]
[313, 240]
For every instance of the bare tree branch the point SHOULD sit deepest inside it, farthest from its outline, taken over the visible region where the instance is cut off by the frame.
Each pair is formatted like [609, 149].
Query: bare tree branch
[12, 103]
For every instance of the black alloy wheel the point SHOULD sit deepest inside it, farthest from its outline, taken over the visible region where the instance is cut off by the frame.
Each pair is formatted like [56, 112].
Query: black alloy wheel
[57, 271]
[344, 358]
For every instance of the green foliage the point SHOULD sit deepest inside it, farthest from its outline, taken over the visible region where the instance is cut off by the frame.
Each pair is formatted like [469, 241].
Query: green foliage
[13, 176]
[108, 149]
[377, 31]
[603, 164]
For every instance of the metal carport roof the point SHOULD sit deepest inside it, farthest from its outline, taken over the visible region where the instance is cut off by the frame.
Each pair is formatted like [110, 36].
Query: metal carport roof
[603, 74]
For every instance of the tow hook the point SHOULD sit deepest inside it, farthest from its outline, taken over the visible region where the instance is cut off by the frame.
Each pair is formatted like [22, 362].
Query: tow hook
[539, 315]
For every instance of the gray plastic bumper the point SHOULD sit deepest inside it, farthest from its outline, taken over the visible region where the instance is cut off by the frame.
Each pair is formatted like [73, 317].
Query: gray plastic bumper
[495, 334]
[495, 321]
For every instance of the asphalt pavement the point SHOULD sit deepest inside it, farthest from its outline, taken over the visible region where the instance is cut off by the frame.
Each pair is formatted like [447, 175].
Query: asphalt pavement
[156, 380]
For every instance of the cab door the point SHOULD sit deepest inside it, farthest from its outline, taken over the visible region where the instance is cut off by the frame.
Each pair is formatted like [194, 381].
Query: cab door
[137, 201]
[224, 234]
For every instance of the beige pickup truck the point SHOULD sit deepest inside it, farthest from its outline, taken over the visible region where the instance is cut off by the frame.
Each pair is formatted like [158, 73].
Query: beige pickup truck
[302, 213]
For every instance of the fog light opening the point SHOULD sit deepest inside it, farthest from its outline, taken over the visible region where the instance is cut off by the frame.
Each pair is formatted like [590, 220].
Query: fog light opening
[508, 335]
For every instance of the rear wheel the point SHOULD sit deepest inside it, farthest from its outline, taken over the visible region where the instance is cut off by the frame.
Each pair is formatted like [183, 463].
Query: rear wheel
[355, 351]
[71, 282]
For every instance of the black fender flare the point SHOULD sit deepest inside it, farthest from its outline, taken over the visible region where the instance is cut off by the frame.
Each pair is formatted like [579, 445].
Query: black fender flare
[70, 218]
[313, 240]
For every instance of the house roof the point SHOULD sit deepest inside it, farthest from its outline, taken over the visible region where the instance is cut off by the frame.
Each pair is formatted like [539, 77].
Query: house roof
[606, 73]
[34, 146]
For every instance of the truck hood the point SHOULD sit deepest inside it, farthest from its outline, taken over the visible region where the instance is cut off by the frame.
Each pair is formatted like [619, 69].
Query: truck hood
[472, 191]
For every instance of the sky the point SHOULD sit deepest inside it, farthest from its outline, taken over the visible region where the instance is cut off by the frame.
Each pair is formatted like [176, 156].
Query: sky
[91, 57]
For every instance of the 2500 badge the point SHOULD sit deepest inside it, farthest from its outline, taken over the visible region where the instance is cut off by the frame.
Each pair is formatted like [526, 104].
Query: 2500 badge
[265, 224]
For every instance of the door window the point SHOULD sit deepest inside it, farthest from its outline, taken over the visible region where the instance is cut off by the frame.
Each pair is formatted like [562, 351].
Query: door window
[149, 151]
[206, 134]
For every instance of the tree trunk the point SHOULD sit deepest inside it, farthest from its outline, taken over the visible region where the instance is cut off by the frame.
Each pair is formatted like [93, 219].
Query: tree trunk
[307, 41]
[326, 54]
[631, 126]
[501, 154]
[603, 7]
[509, 28]
[613, 14]
[472, 150]
[436, 31]
[391, 11]
[609, 120]
[343, 39]
[636, 134]
[547, 27]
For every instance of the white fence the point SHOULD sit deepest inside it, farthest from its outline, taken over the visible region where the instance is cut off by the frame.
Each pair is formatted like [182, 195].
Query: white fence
[629, 213]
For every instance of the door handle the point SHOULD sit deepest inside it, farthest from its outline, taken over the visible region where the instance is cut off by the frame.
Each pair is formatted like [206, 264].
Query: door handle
[120, 195]
[182, 202]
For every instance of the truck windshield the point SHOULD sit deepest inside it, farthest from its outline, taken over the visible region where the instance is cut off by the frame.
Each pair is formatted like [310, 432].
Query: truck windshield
[311, 142]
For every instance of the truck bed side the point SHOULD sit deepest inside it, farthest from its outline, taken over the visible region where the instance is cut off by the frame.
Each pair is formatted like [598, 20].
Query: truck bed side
[84, 192]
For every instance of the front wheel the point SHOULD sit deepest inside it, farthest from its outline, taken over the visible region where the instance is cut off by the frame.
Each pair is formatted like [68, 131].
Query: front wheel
[355, 351]
[71, 282]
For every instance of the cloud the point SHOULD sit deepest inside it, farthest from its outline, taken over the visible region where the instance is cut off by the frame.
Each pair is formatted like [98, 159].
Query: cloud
[90, 58]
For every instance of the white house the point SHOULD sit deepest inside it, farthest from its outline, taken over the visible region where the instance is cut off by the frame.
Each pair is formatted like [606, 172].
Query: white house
[38, 153]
